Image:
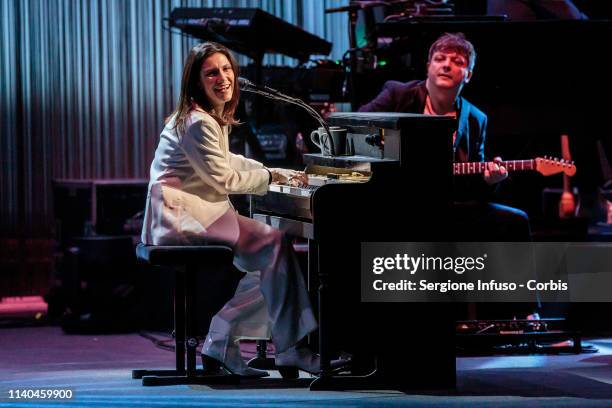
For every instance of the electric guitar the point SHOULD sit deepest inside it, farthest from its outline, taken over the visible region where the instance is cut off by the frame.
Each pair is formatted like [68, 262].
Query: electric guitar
[546, 166]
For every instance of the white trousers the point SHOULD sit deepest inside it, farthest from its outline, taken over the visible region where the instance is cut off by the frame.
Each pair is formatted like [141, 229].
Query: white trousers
[271, 299]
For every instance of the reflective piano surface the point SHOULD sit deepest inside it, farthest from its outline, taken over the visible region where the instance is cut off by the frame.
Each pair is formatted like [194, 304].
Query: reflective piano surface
[394, 186]
[399, 165]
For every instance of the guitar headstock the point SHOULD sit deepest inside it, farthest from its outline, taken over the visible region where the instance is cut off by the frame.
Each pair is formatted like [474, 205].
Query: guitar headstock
[548, 166]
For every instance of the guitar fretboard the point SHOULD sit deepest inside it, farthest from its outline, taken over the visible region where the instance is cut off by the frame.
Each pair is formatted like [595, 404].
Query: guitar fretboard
[480, 167]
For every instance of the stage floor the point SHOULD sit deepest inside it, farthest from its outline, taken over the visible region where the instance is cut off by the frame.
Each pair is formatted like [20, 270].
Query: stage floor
[98, 371]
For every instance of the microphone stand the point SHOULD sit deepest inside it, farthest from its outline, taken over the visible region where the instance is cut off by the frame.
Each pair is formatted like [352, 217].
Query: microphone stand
[248, 86]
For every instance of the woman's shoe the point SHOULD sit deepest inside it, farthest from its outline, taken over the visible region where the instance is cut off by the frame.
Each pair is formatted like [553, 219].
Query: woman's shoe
[213, 366]
[302, 358]
[292, 359]
[221, 352]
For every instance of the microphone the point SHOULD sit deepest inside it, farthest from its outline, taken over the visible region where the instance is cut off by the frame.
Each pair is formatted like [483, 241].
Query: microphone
[248, 86]
[245, 84]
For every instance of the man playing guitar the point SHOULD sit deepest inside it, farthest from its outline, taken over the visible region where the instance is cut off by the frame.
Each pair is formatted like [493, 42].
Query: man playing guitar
[450, 66]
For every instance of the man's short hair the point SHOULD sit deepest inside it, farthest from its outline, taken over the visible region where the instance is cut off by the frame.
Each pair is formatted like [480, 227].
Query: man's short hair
[454, 42]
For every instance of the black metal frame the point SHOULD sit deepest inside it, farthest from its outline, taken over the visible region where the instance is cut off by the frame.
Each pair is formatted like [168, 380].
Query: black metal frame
[186, 262]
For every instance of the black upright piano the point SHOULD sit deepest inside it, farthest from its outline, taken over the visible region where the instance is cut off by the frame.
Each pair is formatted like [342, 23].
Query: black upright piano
[393, 185]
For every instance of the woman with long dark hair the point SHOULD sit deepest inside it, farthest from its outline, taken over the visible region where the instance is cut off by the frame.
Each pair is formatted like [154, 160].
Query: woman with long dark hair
[192, 175]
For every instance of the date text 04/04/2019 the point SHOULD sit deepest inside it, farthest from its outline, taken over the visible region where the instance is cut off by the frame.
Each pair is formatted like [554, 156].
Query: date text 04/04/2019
[480, 285]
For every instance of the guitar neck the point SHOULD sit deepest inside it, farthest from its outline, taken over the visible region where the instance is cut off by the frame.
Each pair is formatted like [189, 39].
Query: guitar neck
[480, 167]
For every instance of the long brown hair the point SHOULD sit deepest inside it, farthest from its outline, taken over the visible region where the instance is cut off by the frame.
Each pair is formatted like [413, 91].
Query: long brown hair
[192, 92]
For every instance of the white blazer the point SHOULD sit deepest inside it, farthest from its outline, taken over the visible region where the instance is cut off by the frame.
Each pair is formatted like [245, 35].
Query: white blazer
[192, 176]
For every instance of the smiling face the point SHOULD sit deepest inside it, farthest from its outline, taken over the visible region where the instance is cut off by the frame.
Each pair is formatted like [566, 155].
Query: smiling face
[448, 70]
[217, 80]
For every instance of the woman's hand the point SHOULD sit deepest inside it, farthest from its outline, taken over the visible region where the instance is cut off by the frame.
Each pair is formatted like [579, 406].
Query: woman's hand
[290, 177]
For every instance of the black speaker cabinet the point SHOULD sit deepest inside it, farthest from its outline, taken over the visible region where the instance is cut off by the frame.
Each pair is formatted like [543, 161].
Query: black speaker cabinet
[101, 206]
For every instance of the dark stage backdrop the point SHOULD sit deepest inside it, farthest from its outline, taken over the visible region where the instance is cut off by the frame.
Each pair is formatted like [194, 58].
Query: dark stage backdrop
[84, 88]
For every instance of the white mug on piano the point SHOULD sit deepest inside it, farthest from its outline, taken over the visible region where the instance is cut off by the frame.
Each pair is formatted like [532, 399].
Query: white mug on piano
[334, 146]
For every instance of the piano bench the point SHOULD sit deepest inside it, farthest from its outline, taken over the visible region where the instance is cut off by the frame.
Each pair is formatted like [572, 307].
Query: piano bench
[185, 262]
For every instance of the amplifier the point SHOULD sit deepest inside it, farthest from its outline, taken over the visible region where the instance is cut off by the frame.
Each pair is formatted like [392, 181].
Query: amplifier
[102, 206]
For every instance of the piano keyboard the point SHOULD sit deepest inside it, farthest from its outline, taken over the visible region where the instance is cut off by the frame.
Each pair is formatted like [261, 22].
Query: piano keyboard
[305, 191]
[314, 182]
[289, 208]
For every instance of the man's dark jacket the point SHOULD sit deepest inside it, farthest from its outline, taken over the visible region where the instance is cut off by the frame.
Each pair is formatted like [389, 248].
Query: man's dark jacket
[410, 97]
